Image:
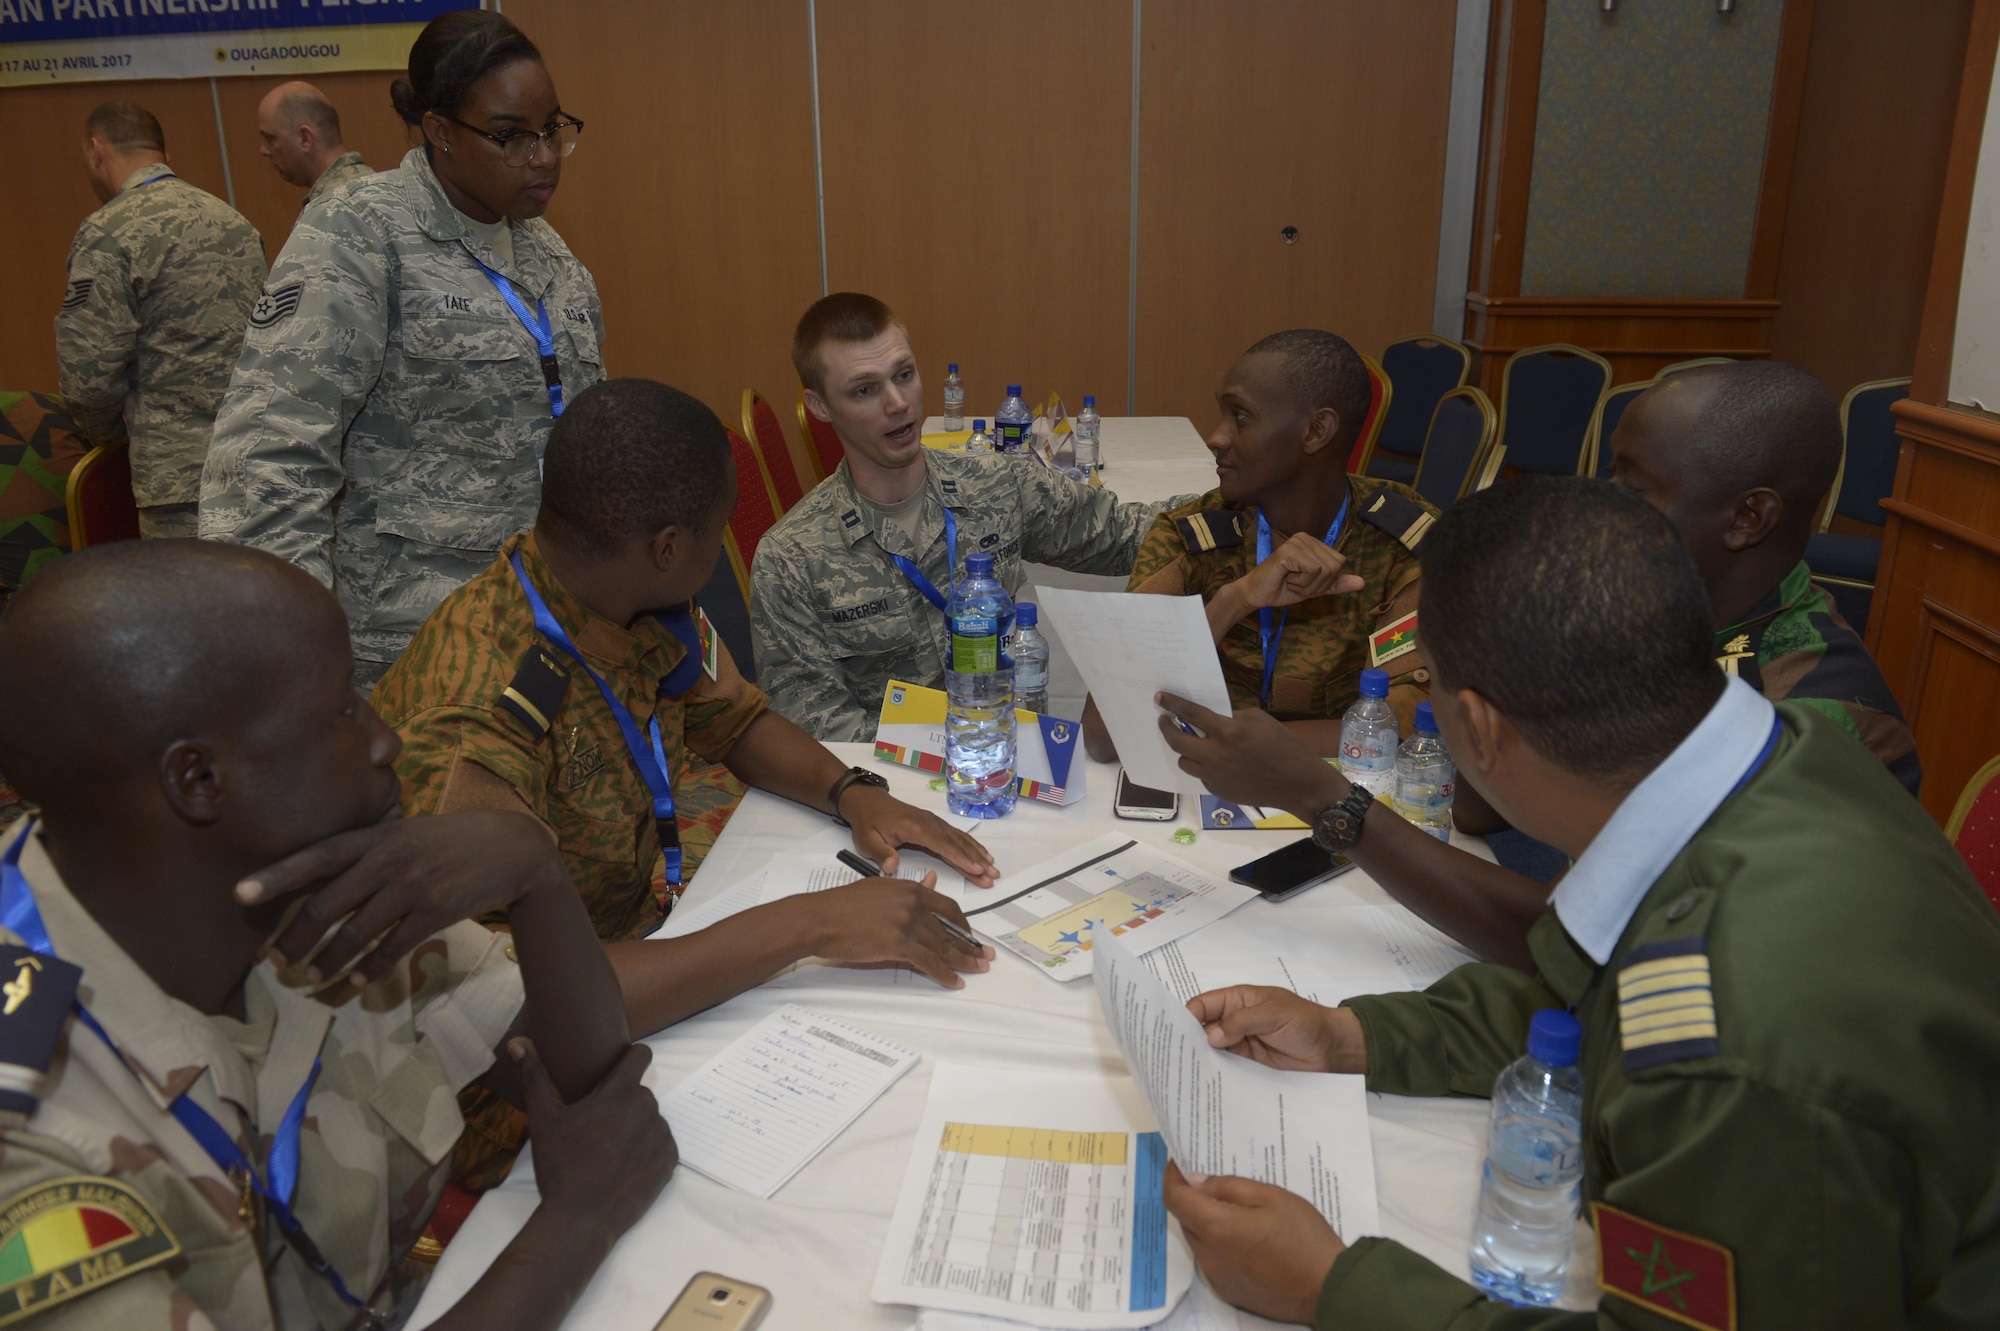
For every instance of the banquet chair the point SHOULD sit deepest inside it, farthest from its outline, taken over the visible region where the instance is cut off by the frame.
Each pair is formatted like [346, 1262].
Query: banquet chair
[1604, 423]
[1680, 365]
[1456, 447]
[755, 513]
[99, 498]
[1421, 369]
[826, 448]
[1974, 828]
[1379, 394]
[1547, 396]
[1845, 561]
[782, 462]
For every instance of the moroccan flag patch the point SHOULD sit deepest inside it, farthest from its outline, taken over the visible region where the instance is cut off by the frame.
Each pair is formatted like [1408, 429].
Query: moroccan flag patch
[1392, 640]
[1676, 1275]
[70, 1237]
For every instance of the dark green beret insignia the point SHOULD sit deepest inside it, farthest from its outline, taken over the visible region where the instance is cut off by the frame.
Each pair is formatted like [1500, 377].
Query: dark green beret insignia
[538, 690]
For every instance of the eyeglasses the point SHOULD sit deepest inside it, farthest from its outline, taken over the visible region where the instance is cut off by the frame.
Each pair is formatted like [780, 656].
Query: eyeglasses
[519, 146]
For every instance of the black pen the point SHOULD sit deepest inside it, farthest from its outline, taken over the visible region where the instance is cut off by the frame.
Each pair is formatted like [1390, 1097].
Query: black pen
[869, 869]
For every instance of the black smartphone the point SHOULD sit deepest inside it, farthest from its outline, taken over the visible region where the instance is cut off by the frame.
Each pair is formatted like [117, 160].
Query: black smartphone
[1290, 869]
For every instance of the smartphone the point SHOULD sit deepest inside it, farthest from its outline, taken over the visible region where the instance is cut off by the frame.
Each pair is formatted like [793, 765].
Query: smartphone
[711, 1302]
[1290, 870]
[1136, 801]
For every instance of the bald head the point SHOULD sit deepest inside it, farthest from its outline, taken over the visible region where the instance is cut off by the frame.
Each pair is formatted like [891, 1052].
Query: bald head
[114, 653]
[298, 131]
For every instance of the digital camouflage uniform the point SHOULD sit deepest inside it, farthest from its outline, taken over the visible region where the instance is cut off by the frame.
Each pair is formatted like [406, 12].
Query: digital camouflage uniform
[379, 1127]
[1200, 547]
[346, 167]
[1828, 1156]
[386, 424]
[833, 620]
[1795, 645]
[467, 744]
[161, 281]
[39, 445]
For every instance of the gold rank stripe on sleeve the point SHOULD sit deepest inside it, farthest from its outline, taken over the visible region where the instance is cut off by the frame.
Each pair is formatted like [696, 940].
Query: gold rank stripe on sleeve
[1211, 529]
[1666, 1004]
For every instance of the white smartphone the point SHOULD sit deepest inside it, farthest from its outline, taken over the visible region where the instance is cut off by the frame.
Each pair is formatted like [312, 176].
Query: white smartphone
[1136, 801]
[716, 1303]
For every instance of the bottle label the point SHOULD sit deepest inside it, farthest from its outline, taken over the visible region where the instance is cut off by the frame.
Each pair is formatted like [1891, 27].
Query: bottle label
[1013, 436]
[975, 653]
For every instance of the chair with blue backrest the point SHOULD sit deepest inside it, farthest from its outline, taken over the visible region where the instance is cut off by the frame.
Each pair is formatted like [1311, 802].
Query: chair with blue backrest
[1610, 410]
[1548, 395]
[1457, 447]
[1845, 561]
[1422, 369]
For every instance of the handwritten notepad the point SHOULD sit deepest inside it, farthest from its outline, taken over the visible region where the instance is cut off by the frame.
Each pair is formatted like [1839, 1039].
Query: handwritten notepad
[753, 1115]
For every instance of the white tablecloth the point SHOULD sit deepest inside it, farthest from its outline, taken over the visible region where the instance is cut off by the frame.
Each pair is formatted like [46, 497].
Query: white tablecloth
[815, 1245]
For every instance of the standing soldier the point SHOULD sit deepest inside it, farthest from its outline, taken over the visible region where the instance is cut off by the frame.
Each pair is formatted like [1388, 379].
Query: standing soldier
[298, 132]
[161, 281]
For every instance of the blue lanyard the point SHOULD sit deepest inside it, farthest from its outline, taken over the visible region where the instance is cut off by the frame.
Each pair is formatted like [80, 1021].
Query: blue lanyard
[649, 758]
[916, 575]
[20, 916]
[538, 325]
[1273, 640]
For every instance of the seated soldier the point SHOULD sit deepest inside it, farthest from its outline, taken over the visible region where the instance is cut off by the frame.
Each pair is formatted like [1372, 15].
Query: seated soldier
[222, 1139]
[1738, 457]
[1764, 1125]
[847, 592]
[1309, 574]
[515, 694]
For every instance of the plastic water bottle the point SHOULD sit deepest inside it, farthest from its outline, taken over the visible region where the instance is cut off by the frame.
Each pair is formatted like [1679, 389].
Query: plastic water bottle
[980, 442]
[1532, 1182]
[979, 685]
[1084, 431]
[1426, 777]
[1012, 423]
[954, 399]
[1368, 735]
[1030, 651]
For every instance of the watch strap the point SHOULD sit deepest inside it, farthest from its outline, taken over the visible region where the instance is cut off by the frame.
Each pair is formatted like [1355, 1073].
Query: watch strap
[1338, 826]
[848, 778]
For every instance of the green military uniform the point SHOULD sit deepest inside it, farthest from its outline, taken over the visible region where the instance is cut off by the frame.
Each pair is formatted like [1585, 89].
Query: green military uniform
[379, 1126]
[386, 424]
[346, 167]
[161, 280]
[1198, 548]
[1788, 1058]
[1795, 645]
[833, 619]
[39, 445]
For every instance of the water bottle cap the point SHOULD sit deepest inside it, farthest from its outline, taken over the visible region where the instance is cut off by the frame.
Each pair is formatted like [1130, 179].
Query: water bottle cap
[1025, 614]
[1013, 390]
[979, 566]
[952, 368]
[978, 425]
[1374, 683]
[1089, 400]
[1426, 719]
[1554, 1037]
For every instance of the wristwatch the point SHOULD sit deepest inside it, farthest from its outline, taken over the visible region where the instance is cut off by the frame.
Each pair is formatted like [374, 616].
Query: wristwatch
[848, 778]
[1338, 826]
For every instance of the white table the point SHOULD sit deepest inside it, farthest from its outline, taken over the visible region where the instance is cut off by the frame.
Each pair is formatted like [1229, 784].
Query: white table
[815, 1245]
[1150, 458]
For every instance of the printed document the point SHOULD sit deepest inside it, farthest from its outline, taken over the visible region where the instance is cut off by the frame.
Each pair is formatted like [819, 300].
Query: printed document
[1128, 647]
[753, 1115]
[1344, 951]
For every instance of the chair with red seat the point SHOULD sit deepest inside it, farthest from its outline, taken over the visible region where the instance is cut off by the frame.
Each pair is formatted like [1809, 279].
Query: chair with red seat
[787, 468]
[755, 513]
[820, 434]
[1974, 828]
[99, 498]
[1380, 391]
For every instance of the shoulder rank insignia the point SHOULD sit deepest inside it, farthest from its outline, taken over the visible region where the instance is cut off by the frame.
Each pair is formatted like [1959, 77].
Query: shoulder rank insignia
[538, 690]
[1666, 1010]
[77, 292]
[1405, 519]
[72, 1236]
[1393, 640]
[1733, 651]
[1213, 529]
[35, 996]
[1685, 1279]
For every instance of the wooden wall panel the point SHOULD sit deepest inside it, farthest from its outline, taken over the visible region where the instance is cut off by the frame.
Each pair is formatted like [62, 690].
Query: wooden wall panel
[988, 202]
[690, 195]
[1881, 92]
[47, 196]
[1328, 118]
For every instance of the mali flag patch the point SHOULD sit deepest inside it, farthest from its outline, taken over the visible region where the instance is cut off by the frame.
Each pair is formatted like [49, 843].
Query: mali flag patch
[1392, 640]
[71, 1237]
[1678, 1276]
